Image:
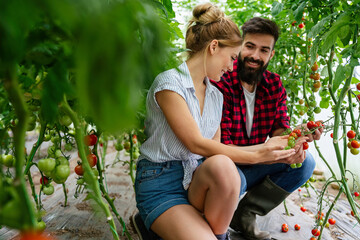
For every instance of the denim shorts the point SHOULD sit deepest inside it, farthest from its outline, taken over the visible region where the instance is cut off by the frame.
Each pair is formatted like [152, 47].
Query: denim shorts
[158, 187]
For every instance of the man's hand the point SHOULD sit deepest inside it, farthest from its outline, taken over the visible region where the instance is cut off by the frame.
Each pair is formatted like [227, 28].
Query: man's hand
[299, 155]
[316, 135]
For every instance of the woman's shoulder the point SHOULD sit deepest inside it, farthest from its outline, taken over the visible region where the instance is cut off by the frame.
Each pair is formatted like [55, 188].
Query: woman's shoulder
[171, 76]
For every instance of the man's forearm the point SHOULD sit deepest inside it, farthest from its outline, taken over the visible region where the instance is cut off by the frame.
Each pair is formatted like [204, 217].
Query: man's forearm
[279, 131]
[251, 148]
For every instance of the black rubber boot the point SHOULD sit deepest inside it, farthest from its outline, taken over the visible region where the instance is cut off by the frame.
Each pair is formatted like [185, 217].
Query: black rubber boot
[259, 200]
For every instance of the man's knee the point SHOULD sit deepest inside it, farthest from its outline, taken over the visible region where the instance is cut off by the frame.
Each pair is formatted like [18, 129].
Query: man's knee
[308, 165]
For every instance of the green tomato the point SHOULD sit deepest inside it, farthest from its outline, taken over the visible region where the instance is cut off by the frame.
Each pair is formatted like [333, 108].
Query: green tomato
[68, 147]
[47, 137]
[317, 110]
[80, 181]
[298, 165]
[40, 226]
[354, 151]
[291, 143]
[55, 139]
[46, 164]
[62, 161]
[58, 153]
[136, 155]
[51, 151]
[287, 148]
[293, 165]
[119, 146]
[65, 120]
[8, 160]
[62, 171]
[48, 189]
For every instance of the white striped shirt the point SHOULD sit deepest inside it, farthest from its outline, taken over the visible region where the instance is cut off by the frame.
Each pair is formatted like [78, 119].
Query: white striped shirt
[162, 145]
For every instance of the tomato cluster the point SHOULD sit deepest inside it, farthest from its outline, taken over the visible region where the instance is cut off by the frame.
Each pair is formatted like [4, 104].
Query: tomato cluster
[353, 144]
[89, 140]
[125, 143]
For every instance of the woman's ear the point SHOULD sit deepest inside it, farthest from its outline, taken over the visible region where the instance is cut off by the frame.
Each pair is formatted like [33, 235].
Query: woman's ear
[214, 44]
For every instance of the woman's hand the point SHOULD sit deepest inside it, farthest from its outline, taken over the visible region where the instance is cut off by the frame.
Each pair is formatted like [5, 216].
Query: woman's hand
[272, 154]
[280, 141]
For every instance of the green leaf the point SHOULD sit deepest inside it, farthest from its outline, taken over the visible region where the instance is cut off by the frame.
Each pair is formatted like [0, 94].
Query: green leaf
[298, 13]
[345, 35]
[314, 51]
[315, 30]
[341, 74]
[324, 103]
[330, 36]
[169, 8]
[276, 8]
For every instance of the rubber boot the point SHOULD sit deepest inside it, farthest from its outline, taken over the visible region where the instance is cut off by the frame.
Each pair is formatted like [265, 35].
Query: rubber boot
[259, 200]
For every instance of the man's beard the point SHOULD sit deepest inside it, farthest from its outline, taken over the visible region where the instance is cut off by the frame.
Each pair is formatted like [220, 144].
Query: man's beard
[250, 75]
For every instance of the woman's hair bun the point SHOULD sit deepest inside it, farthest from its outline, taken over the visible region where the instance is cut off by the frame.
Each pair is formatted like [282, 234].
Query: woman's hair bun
[207, 13]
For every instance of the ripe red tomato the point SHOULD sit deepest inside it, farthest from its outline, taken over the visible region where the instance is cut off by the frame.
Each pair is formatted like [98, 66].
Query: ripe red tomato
[297, 132]
[314, 67]
[134, 139]
[356, 194]
[293, 23]
[351, 134]
[293, 134]
[297, 227]
[311, 124]
[301, 25]
[315, 232]
[90, 140]
[303, 209]
[34, 235]
[355, 144]
[79, 170]
[316, 76]
[319, 124]
[331, 135]
[312, 238]
[332, 221]
[358, 86]
[352, 213]
[44, 180]
[92, 159]
[317, 84]
[305, 145]
[358, 96]
[284, 227]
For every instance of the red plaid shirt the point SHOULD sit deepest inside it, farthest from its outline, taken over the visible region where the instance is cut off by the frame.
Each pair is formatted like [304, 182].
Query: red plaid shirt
[270, 112]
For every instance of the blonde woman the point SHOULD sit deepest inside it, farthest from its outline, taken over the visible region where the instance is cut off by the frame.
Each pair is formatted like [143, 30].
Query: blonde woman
[187, 185]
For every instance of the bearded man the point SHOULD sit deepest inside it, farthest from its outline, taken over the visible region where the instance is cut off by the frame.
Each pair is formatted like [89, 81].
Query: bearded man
[255, 109]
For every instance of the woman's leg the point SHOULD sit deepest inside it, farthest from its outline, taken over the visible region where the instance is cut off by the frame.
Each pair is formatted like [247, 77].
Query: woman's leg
[215, 190]
[182, 222]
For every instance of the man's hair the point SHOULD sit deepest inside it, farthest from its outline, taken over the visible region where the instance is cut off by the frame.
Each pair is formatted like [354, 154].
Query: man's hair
[261, 25]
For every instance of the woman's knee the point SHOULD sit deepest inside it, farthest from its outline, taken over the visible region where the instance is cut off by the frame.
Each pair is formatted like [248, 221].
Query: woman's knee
[223, 171]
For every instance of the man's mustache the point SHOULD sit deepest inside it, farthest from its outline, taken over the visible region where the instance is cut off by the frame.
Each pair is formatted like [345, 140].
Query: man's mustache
[250, 59]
